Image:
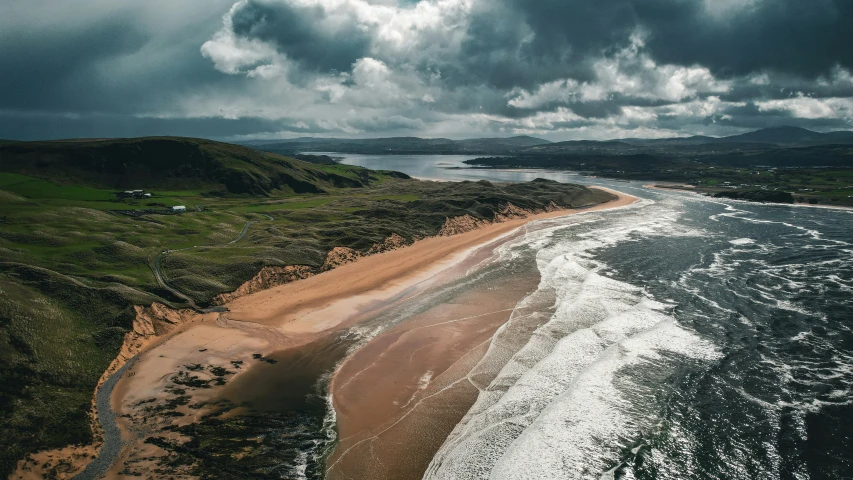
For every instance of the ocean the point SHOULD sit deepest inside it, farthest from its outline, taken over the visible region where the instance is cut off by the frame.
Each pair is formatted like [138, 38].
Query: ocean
[678, 337]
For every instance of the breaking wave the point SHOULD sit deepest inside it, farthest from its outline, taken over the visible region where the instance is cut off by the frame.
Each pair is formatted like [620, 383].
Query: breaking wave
[578, 395]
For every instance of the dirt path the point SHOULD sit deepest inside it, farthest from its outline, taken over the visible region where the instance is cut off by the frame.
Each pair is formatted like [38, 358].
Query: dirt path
[161, 279]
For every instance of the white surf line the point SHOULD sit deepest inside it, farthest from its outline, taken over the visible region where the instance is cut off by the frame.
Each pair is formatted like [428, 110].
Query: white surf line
[637, 202]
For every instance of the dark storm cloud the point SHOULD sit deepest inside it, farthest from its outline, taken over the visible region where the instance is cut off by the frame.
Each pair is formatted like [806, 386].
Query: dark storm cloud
[519, 43]
[376, 67]
[800, 37]
[47, 71]
[63, 68]
[395, 123]
[35, 126]
[297, 32]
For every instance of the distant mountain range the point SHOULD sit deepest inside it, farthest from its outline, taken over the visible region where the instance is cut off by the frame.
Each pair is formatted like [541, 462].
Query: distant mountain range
[778, 136]
[398, 145]
[764, 139]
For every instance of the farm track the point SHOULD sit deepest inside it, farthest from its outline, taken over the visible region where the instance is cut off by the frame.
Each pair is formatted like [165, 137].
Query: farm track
[113, 441]
[161, 279]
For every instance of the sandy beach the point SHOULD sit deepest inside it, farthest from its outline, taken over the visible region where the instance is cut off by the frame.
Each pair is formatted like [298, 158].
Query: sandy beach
[412, 382]
[380, 392]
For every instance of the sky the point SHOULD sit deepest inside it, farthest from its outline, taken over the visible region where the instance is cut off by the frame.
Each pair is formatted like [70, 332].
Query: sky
[556, 69]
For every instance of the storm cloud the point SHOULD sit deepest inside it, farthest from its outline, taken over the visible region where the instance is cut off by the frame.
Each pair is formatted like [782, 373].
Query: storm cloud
[560, 69]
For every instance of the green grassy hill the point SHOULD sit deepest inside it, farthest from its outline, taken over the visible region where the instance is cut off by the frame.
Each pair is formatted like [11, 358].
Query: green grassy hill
[75, 258]
[175, 164]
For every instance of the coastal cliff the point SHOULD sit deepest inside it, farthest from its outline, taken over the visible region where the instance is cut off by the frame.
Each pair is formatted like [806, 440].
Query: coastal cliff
[268, 277]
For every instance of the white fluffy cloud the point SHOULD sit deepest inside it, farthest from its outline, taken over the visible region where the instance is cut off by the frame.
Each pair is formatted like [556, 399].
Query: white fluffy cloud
[397, 35]
[802, 106]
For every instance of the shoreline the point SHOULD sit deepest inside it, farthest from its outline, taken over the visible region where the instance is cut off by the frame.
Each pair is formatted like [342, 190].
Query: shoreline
[354, 288]
[412, 381]
[285, 317]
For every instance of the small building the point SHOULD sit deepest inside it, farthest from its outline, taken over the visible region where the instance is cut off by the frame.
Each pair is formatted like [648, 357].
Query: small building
[179, 209]
[134, 194]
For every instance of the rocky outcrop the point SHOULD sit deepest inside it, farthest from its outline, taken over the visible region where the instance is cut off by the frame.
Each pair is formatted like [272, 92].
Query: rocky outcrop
[553, 207]
[462, 224]
[340, 256]
[393, 242]
[511, 212]
[151, 322]
[268, 277]
[467, 223]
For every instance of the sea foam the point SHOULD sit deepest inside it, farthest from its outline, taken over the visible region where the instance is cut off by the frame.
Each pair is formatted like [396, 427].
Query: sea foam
[562, 404]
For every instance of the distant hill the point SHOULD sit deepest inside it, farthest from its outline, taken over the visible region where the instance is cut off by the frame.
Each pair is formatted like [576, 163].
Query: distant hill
[520, 141]
[779, 136]
[773, 136]
[584, 147]
[764, 139]
[174, 163]
[670, 142]
[768, 140]
[818, 156]
[399, 145]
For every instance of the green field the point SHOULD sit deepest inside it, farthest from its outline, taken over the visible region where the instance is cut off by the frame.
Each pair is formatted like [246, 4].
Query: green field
[821, 186]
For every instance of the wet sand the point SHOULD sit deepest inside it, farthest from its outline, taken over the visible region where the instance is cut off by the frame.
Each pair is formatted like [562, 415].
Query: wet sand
[397, 398]
[298, 314]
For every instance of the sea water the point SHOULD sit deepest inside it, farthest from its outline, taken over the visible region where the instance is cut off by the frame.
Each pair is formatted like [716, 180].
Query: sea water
[679, 337]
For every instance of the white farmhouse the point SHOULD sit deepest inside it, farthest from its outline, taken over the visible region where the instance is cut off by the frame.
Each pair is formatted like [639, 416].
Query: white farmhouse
[179, 209]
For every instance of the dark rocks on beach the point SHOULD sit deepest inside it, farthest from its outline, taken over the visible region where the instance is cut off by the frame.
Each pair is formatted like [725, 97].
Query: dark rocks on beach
[258, 356]
[192, 381]
[220, 371]
[269, 445]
